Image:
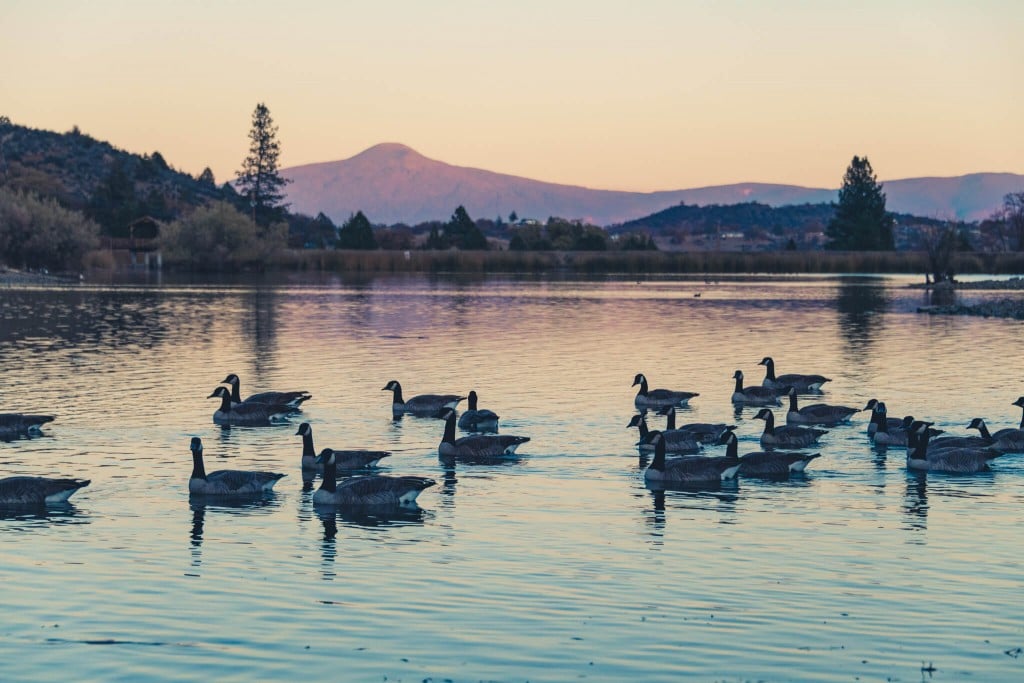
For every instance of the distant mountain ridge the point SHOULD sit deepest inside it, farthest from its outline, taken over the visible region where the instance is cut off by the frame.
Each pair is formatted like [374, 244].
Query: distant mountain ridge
[392, 183]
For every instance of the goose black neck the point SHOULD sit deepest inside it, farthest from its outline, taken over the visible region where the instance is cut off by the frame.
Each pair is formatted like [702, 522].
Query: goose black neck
[671, 415]
[983, 430]
[225, 402]
[642, 426]
[329, 482]
[397, 394]
[920, 451]
[472, 400]
[658, 463]
[739, 384]
[1022, 418]
[307, 445]
[449, 430]
[881, 421]
[769, 370]
[198, 470]
[236, 395]
[769, 423]
[643, 387]
[732, 448]
[792, 403]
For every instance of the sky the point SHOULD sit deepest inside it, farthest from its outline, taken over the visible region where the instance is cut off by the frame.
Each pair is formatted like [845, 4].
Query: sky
[637, 95]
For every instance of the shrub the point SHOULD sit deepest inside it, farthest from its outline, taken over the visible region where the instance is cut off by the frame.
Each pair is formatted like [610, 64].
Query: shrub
[218, 237]
[39, 233]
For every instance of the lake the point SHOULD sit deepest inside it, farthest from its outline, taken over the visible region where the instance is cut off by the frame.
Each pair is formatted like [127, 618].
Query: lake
[557, 565]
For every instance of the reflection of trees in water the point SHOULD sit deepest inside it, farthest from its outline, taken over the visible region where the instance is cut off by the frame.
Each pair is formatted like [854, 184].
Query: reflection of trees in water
[860, 303]
[259, 328]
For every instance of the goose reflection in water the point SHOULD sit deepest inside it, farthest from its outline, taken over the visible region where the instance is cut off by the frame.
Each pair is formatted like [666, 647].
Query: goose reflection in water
[915, 503]
[30, 518]
[263, 504]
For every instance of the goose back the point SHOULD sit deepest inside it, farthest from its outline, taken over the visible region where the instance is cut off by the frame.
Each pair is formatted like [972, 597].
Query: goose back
[688, 470]
[802, 383]
[790, 436]
[245, 414]
[754, 396]
[423, 405]
[816, 413]
[475, 445]
[35, 491]
[659, 398]
[226, 482]
[476, 419]
[372, 490]
[350, 459]
[767, 463]
[288, 399]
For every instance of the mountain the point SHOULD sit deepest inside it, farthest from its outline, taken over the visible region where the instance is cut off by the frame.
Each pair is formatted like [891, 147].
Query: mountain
[392, 183]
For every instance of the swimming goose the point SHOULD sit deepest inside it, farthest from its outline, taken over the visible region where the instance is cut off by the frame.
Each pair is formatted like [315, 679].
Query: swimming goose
[766, 463]
[474, 420]
[37, 490]
[1009, 440]
[956, 460]
[755, 396]
[476, 445]
[13, 425]
[245, 414]
[817, 413]
[376, 490]
[789, 436]
[878, 415]
[689, 470]
[659, 398]
[344, 460]
[676, 441]
[802, 383]
[983, 441]
[291, 399]
[891, 436]
[704, 432]
[423, 405]
[226, 482]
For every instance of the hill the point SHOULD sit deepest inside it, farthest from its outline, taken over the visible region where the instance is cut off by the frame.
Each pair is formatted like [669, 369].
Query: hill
[392, 183]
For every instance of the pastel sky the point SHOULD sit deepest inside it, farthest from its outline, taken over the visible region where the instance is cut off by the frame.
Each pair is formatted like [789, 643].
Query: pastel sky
[631, 95]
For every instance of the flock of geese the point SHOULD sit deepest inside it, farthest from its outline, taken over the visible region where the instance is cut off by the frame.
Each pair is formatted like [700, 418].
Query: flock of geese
[678, 457]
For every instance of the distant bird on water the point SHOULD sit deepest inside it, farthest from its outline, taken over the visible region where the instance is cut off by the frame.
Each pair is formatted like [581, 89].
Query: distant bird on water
[659, 398]
[37, 491]
[426, 405]
[291, 399]
[226, 482]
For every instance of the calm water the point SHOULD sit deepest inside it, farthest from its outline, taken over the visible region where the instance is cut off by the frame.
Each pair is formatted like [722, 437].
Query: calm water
[559, 566]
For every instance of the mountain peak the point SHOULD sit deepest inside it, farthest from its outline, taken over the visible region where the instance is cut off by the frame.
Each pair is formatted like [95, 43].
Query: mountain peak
[389, 149]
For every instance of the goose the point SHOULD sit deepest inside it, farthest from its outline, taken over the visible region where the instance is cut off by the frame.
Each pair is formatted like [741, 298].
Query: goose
[789, 436]
[755, 396]
[766, 463]
[476, 445]
[1020, 403]
[676, 442]
[886, 436]
[226, 482]
[817, 413]
[689, 470]
[659, 398]
[376, 490]
[802, 383]
[245, 414]
[291, 399]
[703, 432]
[1006, 440]
[475, 420]
[37, 491]
[424, 404]
[962, 460]
[878, 415]
[983, 441]
[344, 460]
[18, 424]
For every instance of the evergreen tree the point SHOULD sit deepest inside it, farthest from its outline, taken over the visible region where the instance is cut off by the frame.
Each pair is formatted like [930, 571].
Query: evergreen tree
[357, 233]
[206, 177]
[259, 180]
[462, 232]
[861, 222]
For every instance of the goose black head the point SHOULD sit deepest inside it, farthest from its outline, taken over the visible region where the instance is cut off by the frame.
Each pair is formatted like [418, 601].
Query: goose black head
[635, 421]
[230, 379]
[726, 437]
[197, 445]
[880, 407]
[219, 392]
[446, 414]
[304, 429]
[764, 414]
[976, 423]
[871, 404]
[393, 385]
[640, 379]
[767, 360]
[738, 374]
[326, 456]
[1019, 402]
[908, 420]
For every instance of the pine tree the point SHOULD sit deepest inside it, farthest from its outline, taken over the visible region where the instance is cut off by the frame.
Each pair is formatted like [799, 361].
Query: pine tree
[461, 231]
[861, 222]
[357, 233]
[259, 179]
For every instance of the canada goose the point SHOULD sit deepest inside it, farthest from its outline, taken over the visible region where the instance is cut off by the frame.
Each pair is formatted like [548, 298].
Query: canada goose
[877, 415]
[376, 490]
[19, 424]
[1009, 440]
[956, 460]
[344, 460]
[226, 482]
[36, 491]
[766, 463]
[789, 436]
[245, 414]
[802, 383]
[890, 436]
[475, 445]
[423, 405]
[291, 399]
[703, 432]
[817, 413]
[676, 442]
[474, 420]
[689, 470]
[659, 398]
[982, 441]
[755, 396]
[1020, 403]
